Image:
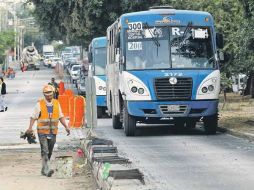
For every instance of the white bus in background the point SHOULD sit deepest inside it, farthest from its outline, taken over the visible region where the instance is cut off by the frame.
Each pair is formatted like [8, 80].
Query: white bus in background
[97, 59]
[239, 83]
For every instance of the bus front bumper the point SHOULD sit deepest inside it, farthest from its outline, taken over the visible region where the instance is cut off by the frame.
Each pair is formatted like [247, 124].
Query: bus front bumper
[101, 100]
[167, 109]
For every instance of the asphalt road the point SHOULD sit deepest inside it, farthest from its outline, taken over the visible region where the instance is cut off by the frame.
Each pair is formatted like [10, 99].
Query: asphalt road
[186, 160]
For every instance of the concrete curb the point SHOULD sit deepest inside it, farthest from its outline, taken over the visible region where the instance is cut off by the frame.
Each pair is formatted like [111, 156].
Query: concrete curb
[236, 133]
[111, 171]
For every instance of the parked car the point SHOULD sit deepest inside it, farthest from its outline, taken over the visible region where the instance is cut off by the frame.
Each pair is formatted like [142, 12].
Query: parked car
[75, 73]
[69, 61]
[81, 86]
[70, 66]
[55, 61]
[47, 60]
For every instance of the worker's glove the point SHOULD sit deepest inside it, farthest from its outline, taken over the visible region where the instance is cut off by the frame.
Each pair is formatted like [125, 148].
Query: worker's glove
[29, 135]
[31, 139]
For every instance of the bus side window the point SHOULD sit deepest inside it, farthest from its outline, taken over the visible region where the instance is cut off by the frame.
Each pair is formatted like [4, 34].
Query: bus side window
[117, 47]
[111, 47]
[117, 42]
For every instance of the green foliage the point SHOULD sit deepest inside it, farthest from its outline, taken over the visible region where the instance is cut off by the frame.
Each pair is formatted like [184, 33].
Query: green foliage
[226, 83]
[22, 11]
[78, 21]
[58, 47]
[6, 43]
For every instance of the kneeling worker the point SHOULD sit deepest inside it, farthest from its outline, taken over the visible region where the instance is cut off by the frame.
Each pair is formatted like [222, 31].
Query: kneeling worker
[48, 113]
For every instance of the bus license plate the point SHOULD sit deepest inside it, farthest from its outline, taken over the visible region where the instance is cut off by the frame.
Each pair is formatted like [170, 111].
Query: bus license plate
[173, 107]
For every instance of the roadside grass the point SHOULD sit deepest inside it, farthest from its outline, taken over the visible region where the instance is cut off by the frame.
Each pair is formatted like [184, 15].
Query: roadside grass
[237, 113]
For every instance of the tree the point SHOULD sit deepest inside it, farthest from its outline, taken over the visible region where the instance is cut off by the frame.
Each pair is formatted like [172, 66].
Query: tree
[6, 44]
[78, 21]
[75, 21]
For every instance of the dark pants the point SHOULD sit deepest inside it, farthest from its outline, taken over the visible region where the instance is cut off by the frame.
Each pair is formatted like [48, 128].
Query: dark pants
[47, 146]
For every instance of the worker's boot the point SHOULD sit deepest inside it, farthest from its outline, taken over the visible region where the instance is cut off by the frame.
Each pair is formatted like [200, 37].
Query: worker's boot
[50, 173]
[45, 165]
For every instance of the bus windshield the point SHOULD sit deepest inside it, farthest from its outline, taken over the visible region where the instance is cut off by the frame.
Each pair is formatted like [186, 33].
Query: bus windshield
[100, 61]
[170, 47]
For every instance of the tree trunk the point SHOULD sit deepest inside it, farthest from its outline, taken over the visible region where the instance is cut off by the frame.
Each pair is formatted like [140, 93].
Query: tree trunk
[249, 90]
[224, 98]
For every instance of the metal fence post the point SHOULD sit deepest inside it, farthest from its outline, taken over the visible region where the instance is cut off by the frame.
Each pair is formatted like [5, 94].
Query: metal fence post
[91, 107]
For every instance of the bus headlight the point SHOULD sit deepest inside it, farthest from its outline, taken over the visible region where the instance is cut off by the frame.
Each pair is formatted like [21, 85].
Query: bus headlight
[211, 88]
[208, 86]
[137, 88]
[204, 89]
[134, 89]
[102, 88]
[141, 90]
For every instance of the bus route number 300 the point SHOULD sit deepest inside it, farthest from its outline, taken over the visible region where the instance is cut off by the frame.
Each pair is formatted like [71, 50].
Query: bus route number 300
[135, 26]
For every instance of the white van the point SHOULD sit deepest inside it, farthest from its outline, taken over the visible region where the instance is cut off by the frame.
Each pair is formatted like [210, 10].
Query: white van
[75, 73]
[239, 82]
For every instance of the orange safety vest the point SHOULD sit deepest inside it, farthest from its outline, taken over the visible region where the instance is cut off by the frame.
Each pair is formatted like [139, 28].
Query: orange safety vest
[45, 124]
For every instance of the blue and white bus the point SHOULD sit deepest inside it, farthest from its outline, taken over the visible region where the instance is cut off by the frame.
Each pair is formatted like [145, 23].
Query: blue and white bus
[163, 66]
[97, 54]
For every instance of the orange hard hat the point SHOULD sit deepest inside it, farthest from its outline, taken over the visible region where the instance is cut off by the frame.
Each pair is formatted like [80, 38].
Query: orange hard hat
[48, 90]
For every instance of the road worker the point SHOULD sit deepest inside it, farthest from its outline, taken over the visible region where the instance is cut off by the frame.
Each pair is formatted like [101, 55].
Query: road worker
[48, 113]
[56, 86]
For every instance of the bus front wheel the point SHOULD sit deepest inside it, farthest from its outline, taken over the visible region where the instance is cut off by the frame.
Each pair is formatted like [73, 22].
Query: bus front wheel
[129, 123]
[211, 124]
[191, 123]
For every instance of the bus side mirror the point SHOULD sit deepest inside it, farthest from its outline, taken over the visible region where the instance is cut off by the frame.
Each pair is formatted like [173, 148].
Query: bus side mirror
[221, 57]
[219, 40]
[90, 57]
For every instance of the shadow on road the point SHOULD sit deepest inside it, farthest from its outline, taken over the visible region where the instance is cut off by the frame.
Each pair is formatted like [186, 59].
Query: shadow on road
[167, 130]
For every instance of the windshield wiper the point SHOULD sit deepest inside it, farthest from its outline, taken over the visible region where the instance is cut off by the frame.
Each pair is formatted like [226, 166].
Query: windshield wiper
[155, 40]
[187, 29]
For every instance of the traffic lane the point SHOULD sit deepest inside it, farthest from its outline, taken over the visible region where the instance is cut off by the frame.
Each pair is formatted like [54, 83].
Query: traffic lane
[187, 160]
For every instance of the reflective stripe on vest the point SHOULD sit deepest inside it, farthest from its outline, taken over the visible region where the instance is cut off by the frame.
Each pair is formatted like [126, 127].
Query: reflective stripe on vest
[45, 125]
[48, 123]
[47, 120]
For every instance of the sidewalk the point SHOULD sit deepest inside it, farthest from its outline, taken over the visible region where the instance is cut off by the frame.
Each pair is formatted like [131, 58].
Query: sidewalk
[236, 117]
[20, 162]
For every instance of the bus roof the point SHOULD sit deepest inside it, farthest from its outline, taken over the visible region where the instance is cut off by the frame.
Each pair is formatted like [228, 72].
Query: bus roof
[99, 42]
[168, 17]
